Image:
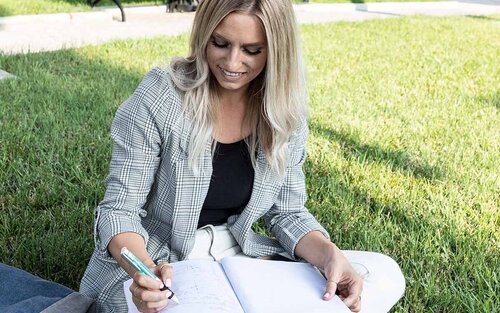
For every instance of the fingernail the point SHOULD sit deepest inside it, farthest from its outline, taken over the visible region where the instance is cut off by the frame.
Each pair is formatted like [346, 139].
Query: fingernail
[168, 282]
[161, 283]
[326, 295]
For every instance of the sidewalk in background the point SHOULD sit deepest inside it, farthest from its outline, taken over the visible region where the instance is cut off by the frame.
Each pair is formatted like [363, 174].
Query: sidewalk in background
[34, 33]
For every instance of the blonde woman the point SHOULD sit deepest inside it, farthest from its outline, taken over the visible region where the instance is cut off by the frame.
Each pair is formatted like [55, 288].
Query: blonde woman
[205, 148]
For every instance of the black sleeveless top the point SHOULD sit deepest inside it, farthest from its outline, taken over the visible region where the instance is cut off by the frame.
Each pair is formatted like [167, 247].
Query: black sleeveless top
[231, 184]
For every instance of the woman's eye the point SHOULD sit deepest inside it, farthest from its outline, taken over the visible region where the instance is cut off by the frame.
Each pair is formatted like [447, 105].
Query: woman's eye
[253, 52]
[219, 44]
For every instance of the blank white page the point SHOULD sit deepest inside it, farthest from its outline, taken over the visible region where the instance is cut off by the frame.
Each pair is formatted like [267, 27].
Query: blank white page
[200, 286]
[264, 286]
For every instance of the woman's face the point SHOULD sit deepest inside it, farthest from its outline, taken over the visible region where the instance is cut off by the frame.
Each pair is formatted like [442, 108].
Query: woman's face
[237, 51]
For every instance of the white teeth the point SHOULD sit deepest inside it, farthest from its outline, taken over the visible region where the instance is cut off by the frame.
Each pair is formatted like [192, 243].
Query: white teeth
[232, 74]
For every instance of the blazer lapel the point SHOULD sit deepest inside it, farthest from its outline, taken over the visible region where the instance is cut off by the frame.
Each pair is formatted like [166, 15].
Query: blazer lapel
[265, 189]
[190, 193]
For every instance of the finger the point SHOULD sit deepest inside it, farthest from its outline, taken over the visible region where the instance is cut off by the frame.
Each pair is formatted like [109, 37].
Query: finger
[331, 287]
[146, 302]
[356, 307]
[333, 278]
[166, 273]
[147, 282]
[133, 290]
[351, 300]
[354, 294]
[155, 306]
[142, 307]
[154, 296]
[138, 303]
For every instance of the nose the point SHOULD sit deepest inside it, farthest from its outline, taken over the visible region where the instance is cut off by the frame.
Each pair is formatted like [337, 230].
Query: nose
[233, 60]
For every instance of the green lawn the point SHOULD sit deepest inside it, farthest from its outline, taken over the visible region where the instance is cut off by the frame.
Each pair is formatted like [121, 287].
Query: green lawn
[11, 7]
[365, 1]
[403, 159]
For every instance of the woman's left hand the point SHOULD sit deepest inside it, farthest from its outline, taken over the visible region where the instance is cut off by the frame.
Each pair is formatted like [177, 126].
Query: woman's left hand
[341, 275]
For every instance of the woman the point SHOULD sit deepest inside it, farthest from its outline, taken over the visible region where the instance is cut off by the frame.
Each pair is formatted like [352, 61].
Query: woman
[205, 148]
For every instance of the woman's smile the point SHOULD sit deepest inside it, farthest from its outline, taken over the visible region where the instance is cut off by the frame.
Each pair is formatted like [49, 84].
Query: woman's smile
[231, 76]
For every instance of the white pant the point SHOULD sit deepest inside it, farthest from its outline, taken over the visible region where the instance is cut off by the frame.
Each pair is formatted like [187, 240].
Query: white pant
[383, 281]
[214, 243]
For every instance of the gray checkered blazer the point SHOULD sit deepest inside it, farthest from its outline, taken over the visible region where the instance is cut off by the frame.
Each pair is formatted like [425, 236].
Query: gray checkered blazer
[152, 191]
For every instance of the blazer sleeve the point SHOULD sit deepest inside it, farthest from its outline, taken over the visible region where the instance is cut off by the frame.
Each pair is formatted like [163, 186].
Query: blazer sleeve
[288, 219]
[136, 135]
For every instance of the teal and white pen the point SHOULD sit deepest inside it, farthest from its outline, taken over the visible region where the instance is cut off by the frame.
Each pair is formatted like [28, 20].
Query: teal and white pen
[143, 269]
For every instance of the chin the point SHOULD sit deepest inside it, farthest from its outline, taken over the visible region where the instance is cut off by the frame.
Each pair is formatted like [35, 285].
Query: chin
[232, 86]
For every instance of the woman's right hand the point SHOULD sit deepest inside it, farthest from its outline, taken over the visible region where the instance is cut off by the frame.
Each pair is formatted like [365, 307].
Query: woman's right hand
[146, 293]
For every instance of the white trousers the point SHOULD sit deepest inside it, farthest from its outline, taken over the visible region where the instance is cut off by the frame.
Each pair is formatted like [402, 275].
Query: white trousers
[383, 281]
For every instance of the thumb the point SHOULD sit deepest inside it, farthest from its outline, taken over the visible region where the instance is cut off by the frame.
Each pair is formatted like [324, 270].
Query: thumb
[331, 287]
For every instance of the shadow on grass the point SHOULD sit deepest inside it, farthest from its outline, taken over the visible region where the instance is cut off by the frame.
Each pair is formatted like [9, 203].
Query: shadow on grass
[395, 159]
[485, 17]
[4, 12]
[424, 243]
[341, 190]
[56, 151]
[491, 100]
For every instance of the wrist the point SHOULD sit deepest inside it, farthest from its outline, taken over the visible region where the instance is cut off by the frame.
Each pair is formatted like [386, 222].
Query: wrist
[330, 253]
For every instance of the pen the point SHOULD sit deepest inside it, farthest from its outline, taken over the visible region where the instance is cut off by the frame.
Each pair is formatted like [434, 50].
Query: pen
[143, 269]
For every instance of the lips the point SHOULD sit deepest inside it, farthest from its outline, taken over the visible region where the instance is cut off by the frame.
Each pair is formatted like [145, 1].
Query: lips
[231, 75]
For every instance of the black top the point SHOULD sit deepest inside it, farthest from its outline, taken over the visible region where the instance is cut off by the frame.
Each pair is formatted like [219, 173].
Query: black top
[231, 184]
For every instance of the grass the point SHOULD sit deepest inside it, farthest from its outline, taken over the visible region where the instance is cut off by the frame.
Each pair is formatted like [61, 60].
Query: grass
[403, 154]
[10, 7]
[365, 1]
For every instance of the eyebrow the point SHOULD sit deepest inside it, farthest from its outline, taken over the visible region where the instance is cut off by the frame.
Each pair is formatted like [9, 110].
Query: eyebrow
[253, 44]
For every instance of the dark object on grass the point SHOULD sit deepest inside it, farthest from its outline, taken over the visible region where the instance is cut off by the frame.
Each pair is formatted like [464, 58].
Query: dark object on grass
[172, 6]
[181, 5]
[21, 291]
[93, 3]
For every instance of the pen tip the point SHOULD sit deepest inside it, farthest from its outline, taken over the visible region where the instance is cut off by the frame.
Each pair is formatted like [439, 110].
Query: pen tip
[175, 299]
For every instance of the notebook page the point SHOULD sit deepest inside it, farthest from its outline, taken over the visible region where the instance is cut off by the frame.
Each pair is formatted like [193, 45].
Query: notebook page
[200, 286]
[264, 286]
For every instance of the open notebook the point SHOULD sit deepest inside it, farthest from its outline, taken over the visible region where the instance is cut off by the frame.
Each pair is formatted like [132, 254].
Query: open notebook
[245, 285]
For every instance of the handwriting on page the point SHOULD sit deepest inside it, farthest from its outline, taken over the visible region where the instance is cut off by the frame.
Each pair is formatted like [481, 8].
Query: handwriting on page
[201, 286]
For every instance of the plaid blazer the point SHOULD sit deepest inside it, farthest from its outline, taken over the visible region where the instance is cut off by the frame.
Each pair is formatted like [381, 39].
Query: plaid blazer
[152, 191]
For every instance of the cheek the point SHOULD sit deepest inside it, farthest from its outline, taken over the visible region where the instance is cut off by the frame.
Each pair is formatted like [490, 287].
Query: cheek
[212, 61]
[212, 55]
[260, 63]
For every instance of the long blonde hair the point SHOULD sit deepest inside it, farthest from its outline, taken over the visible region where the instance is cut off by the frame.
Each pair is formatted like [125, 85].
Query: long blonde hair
[277, 97]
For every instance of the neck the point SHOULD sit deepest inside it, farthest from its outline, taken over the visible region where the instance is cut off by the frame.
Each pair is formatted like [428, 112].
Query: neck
[230, 121]
[233, 99]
